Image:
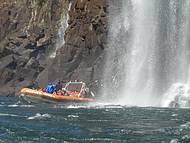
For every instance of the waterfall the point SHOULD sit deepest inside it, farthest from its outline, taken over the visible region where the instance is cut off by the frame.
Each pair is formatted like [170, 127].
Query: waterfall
[62, 28]
[148, 50]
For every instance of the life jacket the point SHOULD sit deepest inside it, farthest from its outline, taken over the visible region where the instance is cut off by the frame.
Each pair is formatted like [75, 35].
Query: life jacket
[50, 89]
[74, 93]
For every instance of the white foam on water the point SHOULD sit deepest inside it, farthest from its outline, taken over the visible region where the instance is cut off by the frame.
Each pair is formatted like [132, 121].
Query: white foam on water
[39, 116]
[185, 126]
[10, 115]
[96, 140]
[73, 116]
[109, 106]
[75, 107]
[186, 137]
[178, 95]
[174, 115]
[15, 105]
[174, 141]
[98, 105]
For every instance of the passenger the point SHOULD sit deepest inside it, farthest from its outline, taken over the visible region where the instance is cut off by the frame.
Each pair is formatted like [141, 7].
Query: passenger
[50, 88]
[59, 92]
[64, 92]
[58, 86]
[33, 85]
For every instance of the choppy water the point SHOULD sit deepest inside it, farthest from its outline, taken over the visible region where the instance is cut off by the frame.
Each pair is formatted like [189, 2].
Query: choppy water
[47, 123]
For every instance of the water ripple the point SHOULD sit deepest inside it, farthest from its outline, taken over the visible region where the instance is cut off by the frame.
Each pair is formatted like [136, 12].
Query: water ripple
[39, 116]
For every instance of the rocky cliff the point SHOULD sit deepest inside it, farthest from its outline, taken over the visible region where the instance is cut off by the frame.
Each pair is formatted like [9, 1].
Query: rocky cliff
[82, 56]
[28, 35]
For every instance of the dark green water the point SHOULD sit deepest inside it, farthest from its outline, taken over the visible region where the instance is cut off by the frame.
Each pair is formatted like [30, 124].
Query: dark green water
[48, 123]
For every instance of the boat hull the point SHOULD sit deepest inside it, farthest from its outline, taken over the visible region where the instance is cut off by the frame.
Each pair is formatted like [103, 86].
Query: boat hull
[32, 95]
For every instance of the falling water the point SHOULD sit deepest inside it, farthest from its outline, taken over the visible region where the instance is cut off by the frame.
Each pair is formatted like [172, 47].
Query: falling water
[63, 26]
[148, 51]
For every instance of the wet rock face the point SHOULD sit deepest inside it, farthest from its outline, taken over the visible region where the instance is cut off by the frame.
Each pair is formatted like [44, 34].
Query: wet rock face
[28, 29]
[82, 56]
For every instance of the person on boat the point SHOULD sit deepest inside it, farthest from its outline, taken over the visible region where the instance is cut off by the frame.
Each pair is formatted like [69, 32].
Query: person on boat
[50, 88]
[58, 86]
[33, 85]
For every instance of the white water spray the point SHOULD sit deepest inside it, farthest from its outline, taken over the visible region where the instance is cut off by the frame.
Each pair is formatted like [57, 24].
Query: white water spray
[178, 95]
[149, 50]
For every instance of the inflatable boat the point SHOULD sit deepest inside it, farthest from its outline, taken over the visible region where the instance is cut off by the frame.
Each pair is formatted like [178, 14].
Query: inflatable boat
[72, 92]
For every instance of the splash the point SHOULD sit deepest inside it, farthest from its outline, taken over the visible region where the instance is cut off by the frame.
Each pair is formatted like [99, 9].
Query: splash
[178, 95]
[39, 116]
[148, 50]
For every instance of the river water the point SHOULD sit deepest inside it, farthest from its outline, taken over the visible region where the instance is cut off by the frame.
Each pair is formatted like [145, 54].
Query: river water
[98, 122]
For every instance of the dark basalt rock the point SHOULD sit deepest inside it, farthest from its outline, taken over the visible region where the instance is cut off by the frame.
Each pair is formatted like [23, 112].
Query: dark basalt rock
[27, 31]
[5, 61]
[4, 52]
[32, 63]
[82, 56]
[23, 35]
[31, 37]
[30, 45]
[5, 75]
